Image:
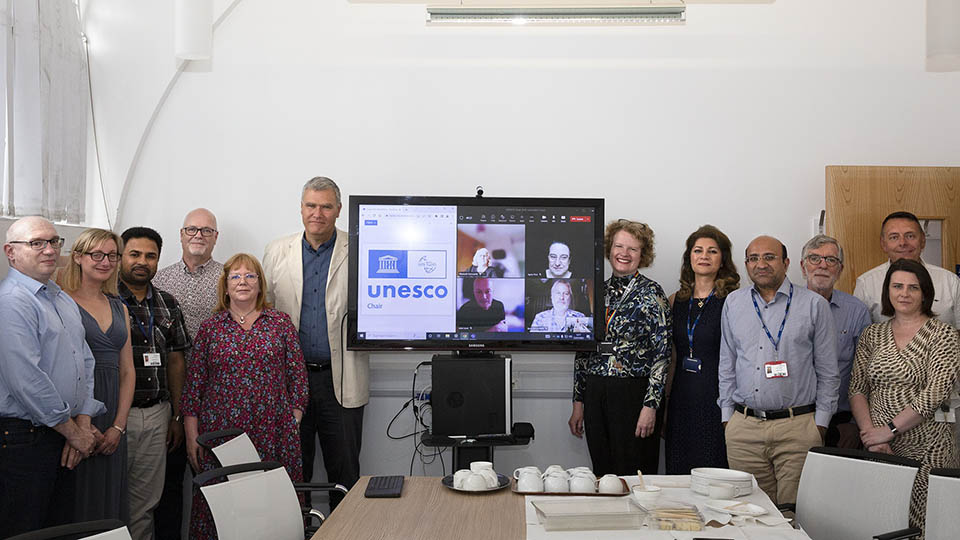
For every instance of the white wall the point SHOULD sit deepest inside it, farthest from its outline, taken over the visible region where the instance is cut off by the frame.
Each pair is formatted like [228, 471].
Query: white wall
[728, 120]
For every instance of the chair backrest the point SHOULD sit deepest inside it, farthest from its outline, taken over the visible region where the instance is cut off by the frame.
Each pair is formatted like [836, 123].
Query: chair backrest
[237, 450]
[943, 505]
[104, 529]
[261, 505]
[854, 493]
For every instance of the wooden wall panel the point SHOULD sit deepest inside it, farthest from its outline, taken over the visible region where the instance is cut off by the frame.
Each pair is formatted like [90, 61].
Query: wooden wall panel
[859, 197]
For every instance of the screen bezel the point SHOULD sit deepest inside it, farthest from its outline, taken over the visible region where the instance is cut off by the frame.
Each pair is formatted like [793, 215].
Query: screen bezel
[354, 343]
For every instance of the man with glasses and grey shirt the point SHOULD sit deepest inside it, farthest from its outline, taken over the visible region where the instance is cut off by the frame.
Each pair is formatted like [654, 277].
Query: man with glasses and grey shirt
[46, 380]
[822, 262]
[778, 372]
[193, 282]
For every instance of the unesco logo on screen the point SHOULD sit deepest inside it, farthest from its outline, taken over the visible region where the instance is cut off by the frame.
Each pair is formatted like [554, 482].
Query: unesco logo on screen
[388, 263]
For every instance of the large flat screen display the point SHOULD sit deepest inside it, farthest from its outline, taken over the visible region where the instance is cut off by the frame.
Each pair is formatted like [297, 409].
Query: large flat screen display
[442, 273]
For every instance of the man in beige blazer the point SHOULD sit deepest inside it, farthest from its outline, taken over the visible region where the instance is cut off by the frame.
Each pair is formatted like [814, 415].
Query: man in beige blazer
[306, 276]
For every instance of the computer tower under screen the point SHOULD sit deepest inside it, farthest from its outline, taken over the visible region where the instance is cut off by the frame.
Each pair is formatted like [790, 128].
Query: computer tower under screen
[471, 396]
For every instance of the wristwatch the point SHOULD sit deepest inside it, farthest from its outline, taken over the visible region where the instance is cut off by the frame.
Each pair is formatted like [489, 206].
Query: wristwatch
[893, 428]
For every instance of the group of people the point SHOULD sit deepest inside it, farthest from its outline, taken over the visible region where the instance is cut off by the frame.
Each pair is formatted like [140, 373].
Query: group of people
[753, 377]
[110, 372]
[111, 369]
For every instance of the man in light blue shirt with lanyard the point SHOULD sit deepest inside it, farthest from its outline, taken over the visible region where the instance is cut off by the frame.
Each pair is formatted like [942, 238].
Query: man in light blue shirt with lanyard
[46, 380]
[779, 379]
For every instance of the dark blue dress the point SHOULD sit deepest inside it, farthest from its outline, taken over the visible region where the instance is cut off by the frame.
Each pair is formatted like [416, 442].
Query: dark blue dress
[694, 434]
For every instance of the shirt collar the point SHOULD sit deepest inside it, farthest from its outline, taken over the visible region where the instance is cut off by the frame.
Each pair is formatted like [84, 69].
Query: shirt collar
[31, 284]
[322, 247]
[127, 294]
[201, 268]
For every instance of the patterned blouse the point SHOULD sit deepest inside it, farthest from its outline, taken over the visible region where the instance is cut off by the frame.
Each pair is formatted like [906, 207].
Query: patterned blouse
[640, 331]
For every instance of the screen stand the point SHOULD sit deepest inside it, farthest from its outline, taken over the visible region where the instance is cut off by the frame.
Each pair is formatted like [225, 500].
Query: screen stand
[471, 398]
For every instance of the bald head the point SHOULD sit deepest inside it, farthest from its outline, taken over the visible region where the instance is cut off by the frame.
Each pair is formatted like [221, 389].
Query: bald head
[38, 264]
[198, 248]
[767, 262]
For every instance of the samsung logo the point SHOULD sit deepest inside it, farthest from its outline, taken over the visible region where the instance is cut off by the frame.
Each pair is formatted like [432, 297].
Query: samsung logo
[406, 291]
[481, 345]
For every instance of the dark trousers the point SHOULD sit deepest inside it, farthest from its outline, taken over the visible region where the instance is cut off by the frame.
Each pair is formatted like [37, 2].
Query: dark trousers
[339, 430]
[611, 407]
[29, 465]
[168, 516]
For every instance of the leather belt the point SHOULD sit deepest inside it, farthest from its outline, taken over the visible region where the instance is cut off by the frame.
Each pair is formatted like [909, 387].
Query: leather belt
[317, 367]
[775, 415]
[148, 402]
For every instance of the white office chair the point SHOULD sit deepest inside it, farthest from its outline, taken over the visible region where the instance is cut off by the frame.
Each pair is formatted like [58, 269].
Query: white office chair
[104, 529]
[943, 501]
[854, 493]
[238, 449]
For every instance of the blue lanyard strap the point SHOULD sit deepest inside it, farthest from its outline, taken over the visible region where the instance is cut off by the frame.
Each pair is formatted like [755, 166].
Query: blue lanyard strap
[776, 344]
[148, 337]
[692, 328]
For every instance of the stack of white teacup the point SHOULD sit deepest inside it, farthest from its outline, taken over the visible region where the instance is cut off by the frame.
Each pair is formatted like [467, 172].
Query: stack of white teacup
[558, 480]
[479, 477]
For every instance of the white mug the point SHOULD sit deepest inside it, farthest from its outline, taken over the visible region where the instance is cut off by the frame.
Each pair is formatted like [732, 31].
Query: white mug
[522, 470]
[583, 484]
[573, 471]
[723, 491]
[555, 484]
[475, 482]
[553, 468]
[530, 482]
[490, 476]
[583, 474]
[477, 466]
[459, 477]
[646, 495]
[610, 483]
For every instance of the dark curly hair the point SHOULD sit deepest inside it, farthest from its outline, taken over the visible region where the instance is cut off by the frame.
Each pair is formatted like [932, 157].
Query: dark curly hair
[728, 280]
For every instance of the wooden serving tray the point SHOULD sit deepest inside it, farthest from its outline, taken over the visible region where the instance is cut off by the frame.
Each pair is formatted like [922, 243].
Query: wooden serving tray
[626, 491]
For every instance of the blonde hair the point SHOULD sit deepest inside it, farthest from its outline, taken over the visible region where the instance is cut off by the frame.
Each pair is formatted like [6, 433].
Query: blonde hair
[251, 262]
[72, 275]
[641, 231]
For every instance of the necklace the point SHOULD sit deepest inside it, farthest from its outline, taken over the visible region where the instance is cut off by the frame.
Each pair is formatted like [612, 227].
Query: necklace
[699, 302]
[244, 316]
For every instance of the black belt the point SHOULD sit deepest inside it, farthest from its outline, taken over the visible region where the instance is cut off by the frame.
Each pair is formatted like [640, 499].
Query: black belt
[317, 367]
[775, 415]
[10, 421]
[148, 402]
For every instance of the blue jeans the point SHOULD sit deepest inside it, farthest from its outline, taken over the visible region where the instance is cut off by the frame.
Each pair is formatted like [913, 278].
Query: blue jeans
[29, 464]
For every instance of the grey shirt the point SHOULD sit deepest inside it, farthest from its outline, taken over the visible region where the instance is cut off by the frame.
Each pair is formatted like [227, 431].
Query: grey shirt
[808, 346]
[851, 317]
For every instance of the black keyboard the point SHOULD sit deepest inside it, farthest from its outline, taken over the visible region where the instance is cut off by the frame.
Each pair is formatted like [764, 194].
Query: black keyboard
[384, 486]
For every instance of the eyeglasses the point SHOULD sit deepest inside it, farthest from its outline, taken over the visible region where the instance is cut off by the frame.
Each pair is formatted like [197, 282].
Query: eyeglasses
[766, 257]
[235, 278]
[815, 259]
[204, 231]
[39, 245]
[98, 256]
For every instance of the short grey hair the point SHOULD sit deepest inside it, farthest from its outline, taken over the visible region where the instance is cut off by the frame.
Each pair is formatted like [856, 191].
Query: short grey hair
[321, 183]
[819, 241]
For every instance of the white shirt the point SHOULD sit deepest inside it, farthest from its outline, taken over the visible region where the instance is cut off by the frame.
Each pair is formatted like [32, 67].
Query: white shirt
[946, 288]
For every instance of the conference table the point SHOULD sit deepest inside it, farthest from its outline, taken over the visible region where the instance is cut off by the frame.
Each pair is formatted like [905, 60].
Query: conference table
[429, 511]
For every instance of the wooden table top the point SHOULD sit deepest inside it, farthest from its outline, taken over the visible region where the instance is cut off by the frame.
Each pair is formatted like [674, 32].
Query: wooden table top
[426, 511]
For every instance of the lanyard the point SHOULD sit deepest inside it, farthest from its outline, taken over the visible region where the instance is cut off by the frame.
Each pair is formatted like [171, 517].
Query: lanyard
[611, 311]
[148, 336]
[776, 344]
[692, 328]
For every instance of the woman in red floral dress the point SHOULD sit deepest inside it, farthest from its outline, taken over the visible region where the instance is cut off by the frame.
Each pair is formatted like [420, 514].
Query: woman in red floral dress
[247, 372]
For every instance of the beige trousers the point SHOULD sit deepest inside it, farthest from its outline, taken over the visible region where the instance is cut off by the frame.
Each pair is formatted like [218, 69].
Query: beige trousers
[146, 465]
[772, 450]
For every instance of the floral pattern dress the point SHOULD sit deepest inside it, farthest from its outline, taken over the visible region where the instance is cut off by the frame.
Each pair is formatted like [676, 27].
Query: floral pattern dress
[247, 379]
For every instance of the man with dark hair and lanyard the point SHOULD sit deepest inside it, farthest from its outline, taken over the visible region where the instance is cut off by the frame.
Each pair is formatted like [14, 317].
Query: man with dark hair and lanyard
[159, 338]
[779, 379]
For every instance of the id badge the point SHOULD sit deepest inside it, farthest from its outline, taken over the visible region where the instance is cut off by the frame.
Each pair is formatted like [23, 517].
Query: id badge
[775, 370]
[151, 359]
[691, 364]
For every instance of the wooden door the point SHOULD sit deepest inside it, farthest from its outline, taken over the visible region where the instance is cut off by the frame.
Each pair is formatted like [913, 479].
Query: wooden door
[858, 198]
